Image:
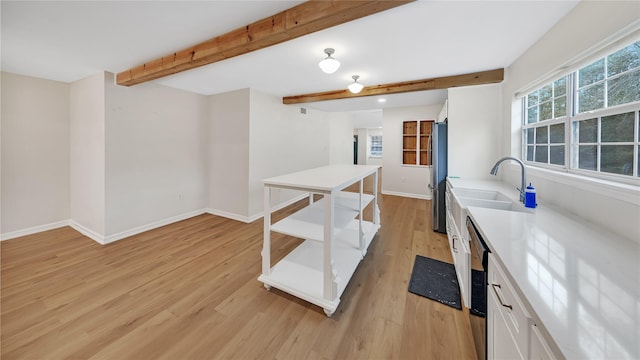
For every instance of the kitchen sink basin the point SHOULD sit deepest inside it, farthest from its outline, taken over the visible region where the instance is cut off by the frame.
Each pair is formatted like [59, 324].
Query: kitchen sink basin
[494, 204]
[480, 194]
[487, 199]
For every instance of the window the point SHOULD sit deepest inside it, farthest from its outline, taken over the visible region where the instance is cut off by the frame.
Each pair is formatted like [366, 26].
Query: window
[589, 120]
[416, 142]
[376, 146]
[546, 112]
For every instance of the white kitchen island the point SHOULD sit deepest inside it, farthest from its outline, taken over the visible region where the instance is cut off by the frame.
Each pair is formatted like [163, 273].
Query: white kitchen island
[319, 269]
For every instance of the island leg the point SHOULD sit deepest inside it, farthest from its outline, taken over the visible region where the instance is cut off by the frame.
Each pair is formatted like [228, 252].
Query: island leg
[266, 241]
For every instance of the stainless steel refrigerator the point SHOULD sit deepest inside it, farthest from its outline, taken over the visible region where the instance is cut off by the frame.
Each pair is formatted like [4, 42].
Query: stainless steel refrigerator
[439, 175]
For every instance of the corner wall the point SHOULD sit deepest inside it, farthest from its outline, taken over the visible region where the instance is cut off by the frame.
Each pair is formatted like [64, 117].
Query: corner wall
[228, 154]
[155, 157]
[253, 136]
[282, 140]
[87, 155]
[145, 156]
[35, 154]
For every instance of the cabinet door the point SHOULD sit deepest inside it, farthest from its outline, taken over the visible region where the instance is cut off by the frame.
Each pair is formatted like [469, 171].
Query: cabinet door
[539, 348]
[500, 342]
[513, 310]
[463, 269]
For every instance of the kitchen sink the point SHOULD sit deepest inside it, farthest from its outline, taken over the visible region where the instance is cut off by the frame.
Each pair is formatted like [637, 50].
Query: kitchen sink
[494, 204]
[480, 194]
[487, 199]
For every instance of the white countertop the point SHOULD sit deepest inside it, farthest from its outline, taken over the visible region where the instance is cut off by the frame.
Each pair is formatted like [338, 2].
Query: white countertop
[582, 282]
[326, 178]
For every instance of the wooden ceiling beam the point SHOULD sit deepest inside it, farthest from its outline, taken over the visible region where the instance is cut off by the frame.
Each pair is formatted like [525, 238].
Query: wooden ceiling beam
[306, 18]
[476, 78]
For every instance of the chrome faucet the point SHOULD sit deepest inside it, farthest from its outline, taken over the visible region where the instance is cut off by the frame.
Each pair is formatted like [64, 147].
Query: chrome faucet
[494, 172]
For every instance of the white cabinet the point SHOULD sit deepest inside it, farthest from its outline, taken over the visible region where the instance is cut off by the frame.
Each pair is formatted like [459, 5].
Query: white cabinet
[511, 332]
[336, 234]
[508, 317]
[539, 348]
[459, 245]
[500, 341]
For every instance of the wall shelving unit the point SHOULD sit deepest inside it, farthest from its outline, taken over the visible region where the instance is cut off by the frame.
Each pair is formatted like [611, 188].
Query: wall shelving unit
[416, 142]
[409, 142]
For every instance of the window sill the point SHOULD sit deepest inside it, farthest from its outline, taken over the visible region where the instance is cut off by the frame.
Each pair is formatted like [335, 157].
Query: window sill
[620, 191]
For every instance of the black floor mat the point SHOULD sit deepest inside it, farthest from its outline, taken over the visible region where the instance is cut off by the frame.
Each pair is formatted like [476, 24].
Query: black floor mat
[435, 280]
[478, 293]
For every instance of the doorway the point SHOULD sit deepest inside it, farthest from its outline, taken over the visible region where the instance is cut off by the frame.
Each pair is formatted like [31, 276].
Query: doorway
[355, 149]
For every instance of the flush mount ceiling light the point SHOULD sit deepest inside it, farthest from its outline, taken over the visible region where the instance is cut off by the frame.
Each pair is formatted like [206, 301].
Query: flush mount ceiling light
[329, 65]
[355, 87]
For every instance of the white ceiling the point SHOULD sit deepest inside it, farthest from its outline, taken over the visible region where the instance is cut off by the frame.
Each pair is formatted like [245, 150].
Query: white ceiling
[67, 41]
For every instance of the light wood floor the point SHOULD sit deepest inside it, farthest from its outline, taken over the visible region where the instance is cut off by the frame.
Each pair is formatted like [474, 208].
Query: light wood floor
[190, 290]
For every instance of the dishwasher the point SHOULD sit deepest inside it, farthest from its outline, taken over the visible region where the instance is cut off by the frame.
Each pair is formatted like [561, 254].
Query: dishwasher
[477, 313]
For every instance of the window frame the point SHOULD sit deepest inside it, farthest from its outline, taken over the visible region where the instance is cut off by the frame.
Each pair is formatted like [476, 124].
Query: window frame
[574, 116]
[633, 107]
[525, 125]
[375, 154]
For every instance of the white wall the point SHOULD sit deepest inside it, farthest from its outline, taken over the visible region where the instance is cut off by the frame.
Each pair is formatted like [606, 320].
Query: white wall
[87, 155]
[254, 136]
[614, 207]
[35, 154]
[128, 159]
[398, 179]
[228, 153]
[473, 130]
[283, 140]
[367, 119]
[155, 156]
[340, 138]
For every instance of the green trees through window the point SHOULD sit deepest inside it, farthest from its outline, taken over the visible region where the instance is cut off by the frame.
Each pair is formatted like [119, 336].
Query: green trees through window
[600, 104]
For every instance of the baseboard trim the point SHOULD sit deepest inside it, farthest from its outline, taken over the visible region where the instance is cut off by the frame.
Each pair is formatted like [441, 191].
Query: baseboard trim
[87, 232]
[103, 240]
[228, 215]
[260, 215]
[156, 224]
[34, 230]
[409, 195]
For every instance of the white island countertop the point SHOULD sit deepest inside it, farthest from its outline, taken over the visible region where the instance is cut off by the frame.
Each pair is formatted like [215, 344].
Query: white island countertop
[326, 178]
[582, 281]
